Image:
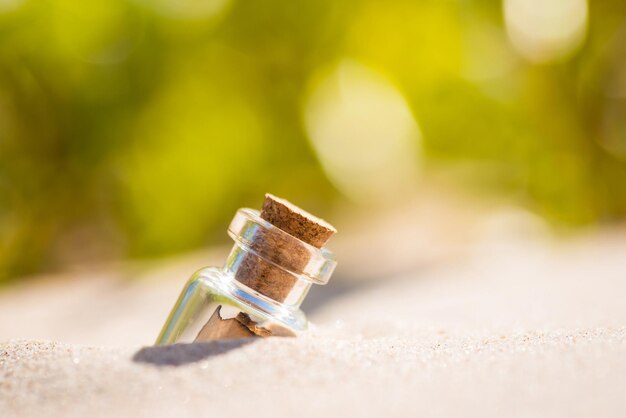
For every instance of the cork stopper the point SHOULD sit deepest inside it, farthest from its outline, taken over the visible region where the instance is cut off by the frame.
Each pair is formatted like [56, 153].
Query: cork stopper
[266, 277]
[296, 222]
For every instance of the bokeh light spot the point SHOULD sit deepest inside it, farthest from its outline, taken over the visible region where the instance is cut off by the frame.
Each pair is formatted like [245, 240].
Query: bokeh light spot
[364, 133]
[10, 5]
[544, 31]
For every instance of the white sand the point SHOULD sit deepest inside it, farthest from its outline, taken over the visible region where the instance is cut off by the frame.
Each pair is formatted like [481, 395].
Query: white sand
[511, 328]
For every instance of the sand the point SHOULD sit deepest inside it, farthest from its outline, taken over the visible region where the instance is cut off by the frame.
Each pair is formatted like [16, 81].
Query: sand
[512, 327]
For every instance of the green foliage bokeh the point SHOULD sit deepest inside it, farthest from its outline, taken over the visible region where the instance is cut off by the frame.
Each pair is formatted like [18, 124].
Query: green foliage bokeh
[136, 128]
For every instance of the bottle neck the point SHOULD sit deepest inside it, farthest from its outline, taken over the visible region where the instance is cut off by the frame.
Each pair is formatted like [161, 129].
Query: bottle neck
[273, 263]
[242, 262]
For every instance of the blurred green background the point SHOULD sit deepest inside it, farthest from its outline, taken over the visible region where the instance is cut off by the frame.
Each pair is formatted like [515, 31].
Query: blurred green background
[135, 128]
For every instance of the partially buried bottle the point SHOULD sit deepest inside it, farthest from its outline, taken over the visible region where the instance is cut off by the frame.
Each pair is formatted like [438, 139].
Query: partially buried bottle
[278, 254]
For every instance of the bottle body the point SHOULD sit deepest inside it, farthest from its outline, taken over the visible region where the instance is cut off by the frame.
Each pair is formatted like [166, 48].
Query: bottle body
[211, 305]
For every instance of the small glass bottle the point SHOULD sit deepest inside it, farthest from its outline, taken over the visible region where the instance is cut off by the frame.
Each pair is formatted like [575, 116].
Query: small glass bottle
[257, 292]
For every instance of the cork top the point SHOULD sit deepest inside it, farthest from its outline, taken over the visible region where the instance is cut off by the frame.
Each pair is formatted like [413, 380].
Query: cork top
[296, 222]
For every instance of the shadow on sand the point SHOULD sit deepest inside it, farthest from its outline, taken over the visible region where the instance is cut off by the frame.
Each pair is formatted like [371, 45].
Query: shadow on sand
[182, 354]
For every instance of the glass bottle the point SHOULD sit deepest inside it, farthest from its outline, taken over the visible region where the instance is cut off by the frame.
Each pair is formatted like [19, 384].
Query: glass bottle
[258, 291]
